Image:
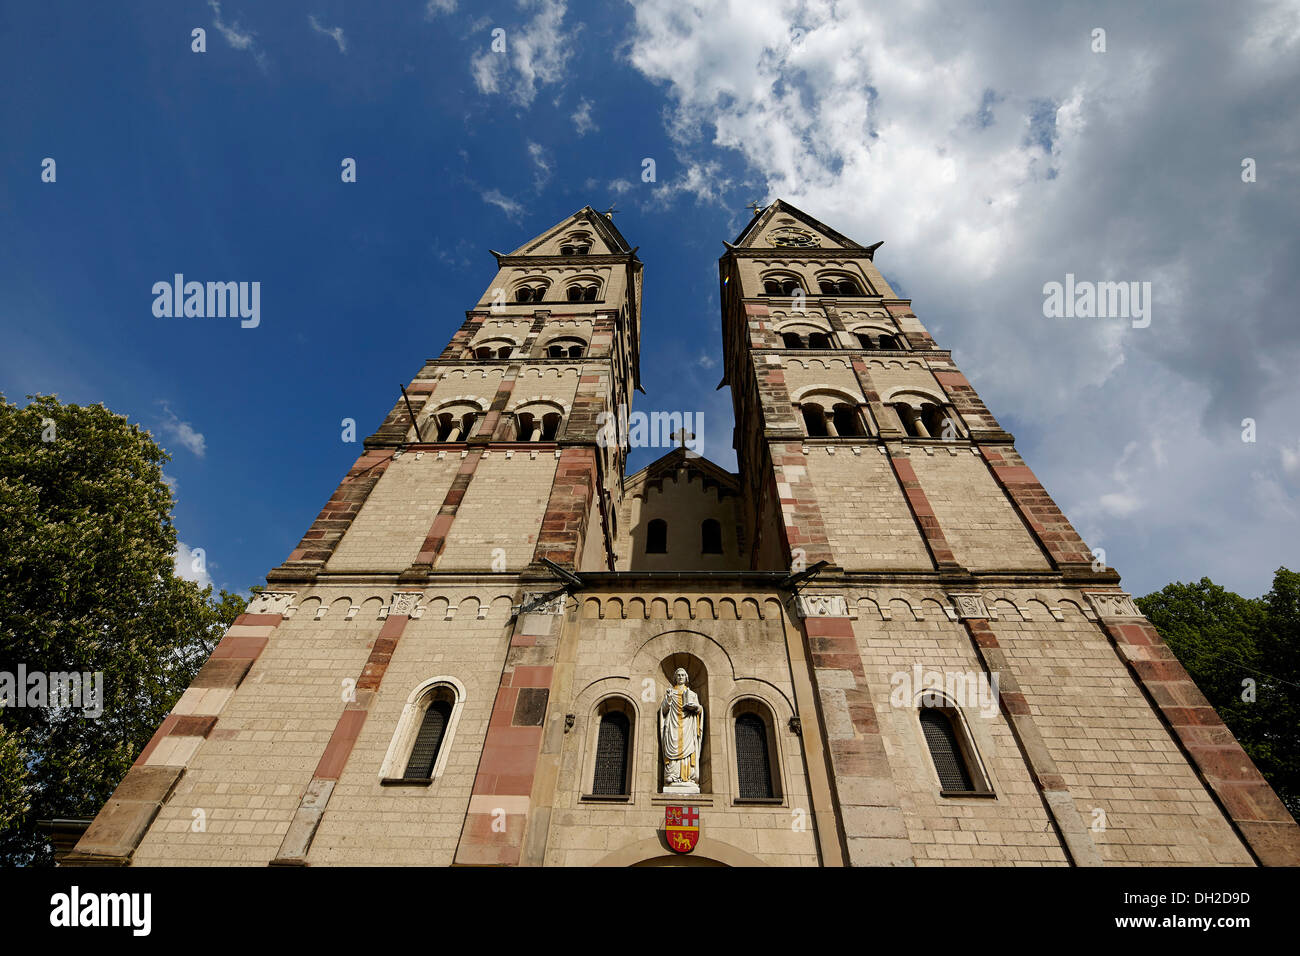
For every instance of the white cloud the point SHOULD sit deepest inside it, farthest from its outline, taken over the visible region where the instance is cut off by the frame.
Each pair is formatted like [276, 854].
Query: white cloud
[1000, 154]
[336, 33]
[507, 205]
[191, 564]
[1291, 461]
[535, 54]
[704, 181]
[582, 121]
[435, 7]
[182, 432]
[238, 38]
[540, 159]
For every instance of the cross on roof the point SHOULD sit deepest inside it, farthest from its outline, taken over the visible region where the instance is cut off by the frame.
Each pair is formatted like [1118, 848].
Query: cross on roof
[682, 436]
[609, 213]
[756, 207]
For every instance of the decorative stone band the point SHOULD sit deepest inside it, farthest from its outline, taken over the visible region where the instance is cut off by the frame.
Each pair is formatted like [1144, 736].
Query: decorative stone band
[1112, 604]
[969, 606]
[824, 605]
[1259, 817]
[554, 606]
[116, 832]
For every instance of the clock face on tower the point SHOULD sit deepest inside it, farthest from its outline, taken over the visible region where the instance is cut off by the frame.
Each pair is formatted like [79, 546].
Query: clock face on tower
[790, 236]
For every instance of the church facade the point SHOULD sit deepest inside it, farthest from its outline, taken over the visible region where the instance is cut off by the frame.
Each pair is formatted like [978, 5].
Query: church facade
[878, 642]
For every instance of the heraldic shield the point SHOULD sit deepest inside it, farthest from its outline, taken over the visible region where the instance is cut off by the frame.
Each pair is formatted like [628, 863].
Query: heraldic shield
[682, 826]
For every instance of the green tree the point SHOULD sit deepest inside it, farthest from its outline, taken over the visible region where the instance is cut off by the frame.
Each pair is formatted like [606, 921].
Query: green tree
[1244, 655]
[1279, 657]
[87, 584]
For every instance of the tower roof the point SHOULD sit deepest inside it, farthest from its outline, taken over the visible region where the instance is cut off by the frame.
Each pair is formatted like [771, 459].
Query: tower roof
[602, 224]
[758, 227]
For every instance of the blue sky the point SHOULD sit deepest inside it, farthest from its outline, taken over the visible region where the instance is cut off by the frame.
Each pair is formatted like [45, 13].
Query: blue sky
[992, 156]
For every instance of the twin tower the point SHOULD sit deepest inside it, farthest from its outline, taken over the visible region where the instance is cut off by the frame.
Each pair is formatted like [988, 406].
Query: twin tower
[901, 650]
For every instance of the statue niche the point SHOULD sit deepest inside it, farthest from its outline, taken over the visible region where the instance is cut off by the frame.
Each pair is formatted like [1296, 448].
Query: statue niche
[681, 735]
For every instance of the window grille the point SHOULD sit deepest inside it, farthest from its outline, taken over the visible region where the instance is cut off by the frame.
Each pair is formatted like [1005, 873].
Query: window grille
[611, 755]
[752, 759]
[428, 741]
[945, 751]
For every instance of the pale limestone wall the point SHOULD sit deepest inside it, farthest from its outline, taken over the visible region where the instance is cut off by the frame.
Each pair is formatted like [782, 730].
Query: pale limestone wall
[370, 824]
[1108, 742]
[780, 317]
[867, 520]
[502, 508]
[978, 520]
[878, 281]
[249, 775]
[480, 383]
[892, 373]
[556, 383]
[626, 657]
[395, 519]
[834, 373]
[684, 506]
[559, 328]
[1011, 829]
[873, 317]
[515, 328]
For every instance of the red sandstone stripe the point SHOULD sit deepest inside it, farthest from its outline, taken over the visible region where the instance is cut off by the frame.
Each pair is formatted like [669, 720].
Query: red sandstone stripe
[340, 746]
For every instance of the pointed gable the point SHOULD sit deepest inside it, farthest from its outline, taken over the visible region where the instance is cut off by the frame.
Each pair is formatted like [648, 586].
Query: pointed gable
[585, 229]
[782, 226]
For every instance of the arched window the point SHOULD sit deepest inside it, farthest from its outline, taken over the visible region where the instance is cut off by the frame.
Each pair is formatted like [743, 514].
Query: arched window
[613, 744]
[425, 732]
[921, 418]
[945, 740]
[848, 423]
[656, 537]
[582, 292]
[865, 340]
[910, 419]
[493, 349]
[539, 422]
[753, 758]
[838, 285]
[792, 340]
[530, 293]
[934, 419]
[428, 740]
[814, 420]
[890, 343]
[566, 347]
[711, 537]
[781, 285]
[832, 416]
[452, 424]
[819, 340]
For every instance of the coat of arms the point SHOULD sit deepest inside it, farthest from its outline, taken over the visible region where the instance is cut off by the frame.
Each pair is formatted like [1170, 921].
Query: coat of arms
[682, 825]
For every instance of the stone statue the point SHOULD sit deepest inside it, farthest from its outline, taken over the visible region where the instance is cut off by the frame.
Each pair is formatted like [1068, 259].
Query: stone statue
[681, 735]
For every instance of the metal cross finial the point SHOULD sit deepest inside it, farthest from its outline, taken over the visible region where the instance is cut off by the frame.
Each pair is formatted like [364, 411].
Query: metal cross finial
[609, 213]
[682, 436]
[756, 207]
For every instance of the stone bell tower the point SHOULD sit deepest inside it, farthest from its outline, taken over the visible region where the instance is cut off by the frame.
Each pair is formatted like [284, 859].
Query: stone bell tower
[411, 575]
[862, 445]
